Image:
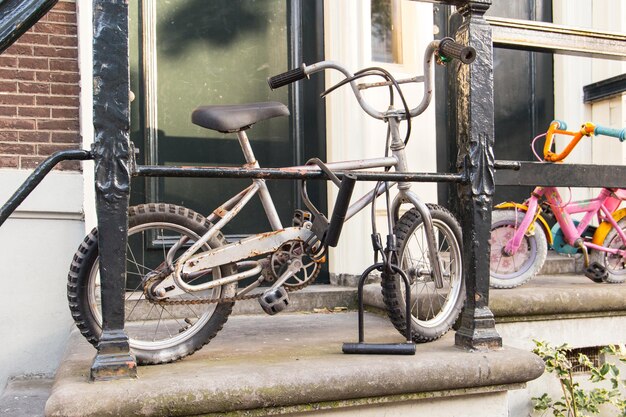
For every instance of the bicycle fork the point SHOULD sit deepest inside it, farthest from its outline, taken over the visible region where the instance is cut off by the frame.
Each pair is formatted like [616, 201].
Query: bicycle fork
[406, 195]
[513, 245]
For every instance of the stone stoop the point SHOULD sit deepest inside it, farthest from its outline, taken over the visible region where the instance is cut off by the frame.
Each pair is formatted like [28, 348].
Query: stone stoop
[561, 264]
[309, 299]
[291, 364]
[561, 308]
[25, 396]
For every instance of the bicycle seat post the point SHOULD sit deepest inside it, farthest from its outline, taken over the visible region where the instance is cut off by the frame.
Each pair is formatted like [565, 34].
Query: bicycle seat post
[264, 194]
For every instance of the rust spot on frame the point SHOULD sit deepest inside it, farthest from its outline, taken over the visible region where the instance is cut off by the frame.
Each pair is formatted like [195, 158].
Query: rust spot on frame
[269, 234]
[220, 212]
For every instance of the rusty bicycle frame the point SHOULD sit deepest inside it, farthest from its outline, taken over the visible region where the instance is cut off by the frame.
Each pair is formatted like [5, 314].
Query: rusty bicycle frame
[194, 263]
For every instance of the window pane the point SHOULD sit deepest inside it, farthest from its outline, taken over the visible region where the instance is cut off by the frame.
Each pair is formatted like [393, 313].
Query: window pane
[386, 31]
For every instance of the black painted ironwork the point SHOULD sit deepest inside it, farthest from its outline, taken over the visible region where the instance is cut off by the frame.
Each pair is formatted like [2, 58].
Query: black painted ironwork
[112, 155]
[473, 116]
[564, 175]
[290, 174]
[474, 126]
[37, 176]
[17, 16]
[611, 87]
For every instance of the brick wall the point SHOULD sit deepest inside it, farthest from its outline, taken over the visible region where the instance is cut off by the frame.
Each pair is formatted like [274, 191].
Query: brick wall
[39, 92]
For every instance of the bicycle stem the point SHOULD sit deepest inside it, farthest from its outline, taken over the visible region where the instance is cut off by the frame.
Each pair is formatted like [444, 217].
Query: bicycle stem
[426, 98]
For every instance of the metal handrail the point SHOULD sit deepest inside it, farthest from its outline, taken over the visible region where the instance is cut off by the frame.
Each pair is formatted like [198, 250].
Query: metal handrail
[37, 176]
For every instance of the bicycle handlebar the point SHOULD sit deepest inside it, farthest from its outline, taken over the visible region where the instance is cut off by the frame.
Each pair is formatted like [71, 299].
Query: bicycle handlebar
[587, 129]
[285, 78]
[609, 131]
[446, 49]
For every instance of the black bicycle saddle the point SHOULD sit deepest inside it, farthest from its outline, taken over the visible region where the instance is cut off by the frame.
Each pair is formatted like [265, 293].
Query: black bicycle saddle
[237, 117]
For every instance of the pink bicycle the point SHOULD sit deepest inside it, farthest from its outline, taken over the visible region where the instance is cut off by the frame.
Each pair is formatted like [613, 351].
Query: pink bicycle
[520, 234]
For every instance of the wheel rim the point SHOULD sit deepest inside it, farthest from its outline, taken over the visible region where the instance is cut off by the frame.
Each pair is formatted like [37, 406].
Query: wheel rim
[149, 326]
[430, 307]
[506, 267]
[615, 263]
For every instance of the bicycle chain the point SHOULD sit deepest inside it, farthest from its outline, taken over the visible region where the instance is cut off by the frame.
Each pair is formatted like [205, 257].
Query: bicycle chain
[197, 301]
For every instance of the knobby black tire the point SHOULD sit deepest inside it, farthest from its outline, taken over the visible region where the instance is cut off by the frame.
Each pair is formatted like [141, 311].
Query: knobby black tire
[393, 287]
[86, 258]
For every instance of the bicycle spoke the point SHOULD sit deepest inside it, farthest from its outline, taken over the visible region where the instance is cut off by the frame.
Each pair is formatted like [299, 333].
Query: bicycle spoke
[157, 326]
[171, 315]
[196, 315]
[147, 315]
[133, 309]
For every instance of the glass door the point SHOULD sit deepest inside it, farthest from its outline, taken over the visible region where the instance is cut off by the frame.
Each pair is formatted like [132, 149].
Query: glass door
[188, 53]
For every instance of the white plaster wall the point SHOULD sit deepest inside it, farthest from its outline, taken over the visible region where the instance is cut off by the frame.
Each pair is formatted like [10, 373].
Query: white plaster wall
[36, 247]
[351, 134]
[85, 56]
[37, 244]
[571, 74]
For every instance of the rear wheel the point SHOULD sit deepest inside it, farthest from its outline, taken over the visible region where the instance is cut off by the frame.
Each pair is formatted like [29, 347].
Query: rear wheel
[157, 333]
[509, 271]
[433, 310]
[615, 264]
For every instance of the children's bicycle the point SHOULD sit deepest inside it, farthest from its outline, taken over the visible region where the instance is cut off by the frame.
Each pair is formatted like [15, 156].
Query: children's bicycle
[183, 276]
[520, 234]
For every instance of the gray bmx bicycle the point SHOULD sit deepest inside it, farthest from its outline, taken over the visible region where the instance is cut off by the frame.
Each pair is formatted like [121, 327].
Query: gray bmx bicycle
[183, 276]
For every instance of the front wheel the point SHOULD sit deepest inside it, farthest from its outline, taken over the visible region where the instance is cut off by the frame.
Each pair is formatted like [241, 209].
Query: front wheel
[158, 333]
[615, 264]
[512, 270]
[433, 310]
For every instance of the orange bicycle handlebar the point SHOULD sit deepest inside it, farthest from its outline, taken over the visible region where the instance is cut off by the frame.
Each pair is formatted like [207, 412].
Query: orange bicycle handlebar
[558, 127]
[587, 129]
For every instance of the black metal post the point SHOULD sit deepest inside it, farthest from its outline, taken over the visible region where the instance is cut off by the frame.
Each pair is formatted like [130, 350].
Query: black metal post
[475, 136]
[111, 153]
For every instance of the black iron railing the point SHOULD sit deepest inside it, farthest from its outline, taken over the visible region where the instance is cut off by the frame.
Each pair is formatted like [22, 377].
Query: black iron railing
[476, 176]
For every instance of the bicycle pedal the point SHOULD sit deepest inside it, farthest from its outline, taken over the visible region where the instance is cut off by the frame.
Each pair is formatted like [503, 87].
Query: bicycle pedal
[300, 217]
[596, 272]
[274, 300]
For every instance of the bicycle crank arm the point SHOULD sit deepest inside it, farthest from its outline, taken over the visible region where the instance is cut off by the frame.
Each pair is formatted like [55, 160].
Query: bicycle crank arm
[293, 268]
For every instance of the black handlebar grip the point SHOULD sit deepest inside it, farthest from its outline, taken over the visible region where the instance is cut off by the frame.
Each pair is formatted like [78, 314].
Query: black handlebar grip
[450, 49]
[339, 211]
[285, 78]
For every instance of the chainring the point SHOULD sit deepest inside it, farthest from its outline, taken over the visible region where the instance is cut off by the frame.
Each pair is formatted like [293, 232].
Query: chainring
[295, 249]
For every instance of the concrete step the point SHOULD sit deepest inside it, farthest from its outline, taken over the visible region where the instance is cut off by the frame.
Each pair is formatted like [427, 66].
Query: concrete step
[291, 364]
[25, 396]
[332, 297]
[561, 264]
[545, 297]
[308, 299]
